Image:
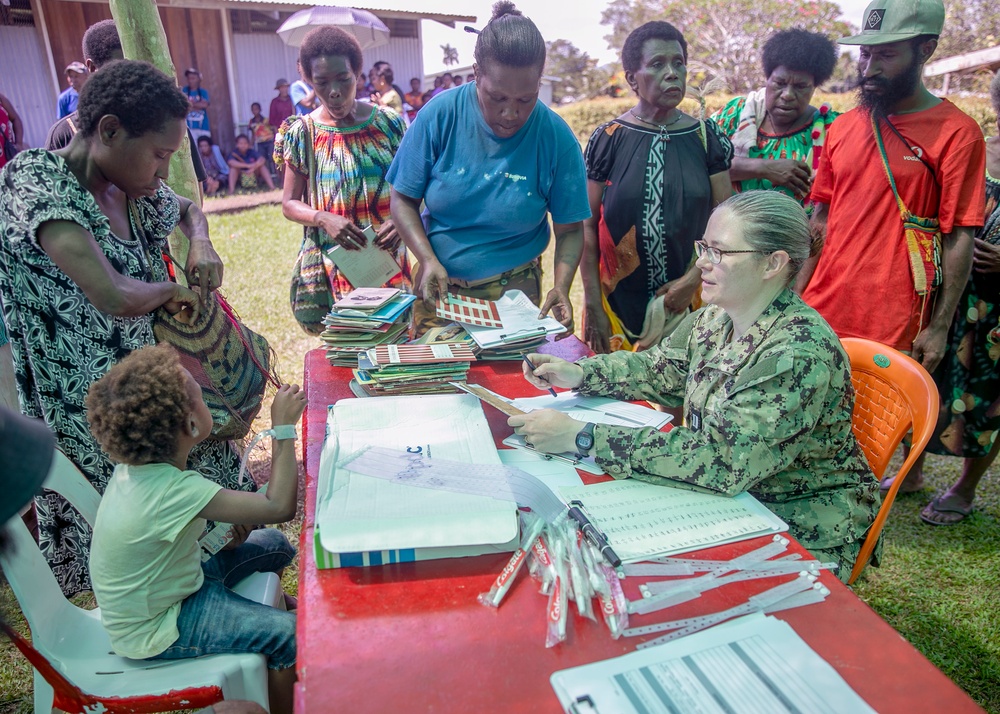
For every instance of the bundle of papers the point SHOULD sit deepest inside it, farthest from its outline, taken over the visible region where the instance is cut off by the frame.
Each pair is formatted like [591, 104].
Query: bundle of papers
[501, 329]
[413, 369]
[365, 318]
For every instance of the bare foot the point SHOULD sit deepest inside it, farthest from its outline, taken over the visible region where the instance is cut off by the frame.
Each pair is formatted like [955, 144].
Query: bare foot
[291, 602]
[946, 510]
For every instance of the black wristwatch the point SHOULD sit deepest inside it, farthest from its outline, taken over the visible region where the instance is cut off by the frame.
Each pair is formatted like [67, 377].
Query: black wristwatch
[585, 440]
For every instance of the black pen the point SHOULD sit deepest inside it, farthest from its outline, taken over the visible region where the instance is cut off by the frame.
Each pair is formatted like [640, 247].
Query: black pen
[532, 368]
[578, 512]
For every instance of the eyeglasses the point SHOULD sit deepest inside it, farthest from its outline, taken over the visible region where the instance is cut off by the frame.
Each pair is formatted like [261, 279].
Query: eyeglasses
[716, 254]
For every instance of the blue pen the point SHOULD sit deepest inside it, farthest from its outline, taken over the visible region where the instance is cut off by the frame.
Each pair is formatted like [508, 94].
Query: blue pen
[532, 368]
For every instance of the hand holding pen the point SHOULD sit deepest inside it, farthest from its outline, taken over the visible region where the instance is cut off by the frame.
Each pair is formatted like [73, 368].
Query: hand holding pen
[532, 368]
[547, 371]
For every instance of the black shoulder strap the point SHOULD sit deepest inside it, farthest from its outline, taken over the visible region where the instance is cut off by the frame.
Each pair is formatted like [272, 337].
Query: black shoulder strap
[907, 144]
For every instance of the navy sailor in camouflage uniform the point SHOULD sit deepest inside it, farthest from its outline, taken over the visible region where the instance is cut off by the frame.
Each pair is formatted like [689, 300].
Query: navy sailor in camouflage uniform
[764, 382]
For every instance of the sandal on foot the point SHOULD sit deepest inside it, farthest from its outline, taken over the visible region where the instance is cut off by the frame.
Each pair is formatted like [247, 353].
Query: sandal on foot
[936, 507]
[904, 489]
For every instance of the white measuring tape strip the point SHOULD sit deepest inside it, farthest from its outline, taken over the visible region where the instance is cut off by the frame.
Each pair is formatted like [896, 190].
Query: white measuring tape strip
[756, 603]
[689, 566]
[765, 569]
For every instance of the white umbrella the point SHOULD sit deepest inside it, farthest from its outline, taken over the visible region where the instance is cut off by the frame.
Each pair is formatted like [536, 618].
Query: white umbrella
[366, 28]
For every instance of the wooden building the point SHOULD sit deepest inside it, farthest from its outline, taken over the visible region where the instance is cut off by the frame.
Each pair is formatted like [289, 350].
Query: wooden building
[233, 43]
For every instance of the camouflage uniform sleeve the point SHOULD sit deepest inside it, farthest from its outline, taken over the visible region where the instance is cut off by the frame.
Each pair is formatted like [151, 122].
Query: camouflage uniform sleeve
[656, 375]
[757, 430]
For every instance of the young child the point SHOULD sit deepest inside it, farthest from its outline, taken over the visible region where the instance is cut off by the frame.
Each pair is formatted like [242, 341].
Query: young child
[157, 599]
[262, 134]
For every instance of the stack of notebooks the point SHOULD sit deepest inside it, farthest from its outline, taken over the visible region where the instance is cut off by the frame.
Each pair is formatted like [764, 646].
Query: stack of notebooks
[365, 318]
[503, 329]
[413, 369]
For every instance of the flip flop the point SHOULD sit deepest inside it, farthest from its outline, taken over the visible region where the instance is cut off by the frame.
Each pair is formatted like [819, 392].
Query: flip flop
[935, 507]
[885, 484]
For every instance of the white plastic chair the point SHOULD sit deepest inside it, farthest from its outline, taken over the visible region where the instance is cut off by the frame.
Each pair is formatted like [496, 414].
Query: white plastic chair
[74, 640]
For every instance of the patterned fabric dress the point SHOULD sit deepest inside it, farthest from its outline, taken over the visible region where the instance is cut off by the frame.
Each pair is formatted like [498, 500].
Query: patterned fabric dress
[968, 378]
[804, 144]
[62, 343]
[351, 165]
[656, 204]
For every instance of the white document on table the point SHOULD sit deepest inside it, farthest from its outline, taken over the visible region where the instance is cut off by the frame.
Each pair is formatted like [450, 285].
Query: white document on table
[554, 474]
[355, 512]
[755, 665]
[644, 520]
[520, 321]
[368, 267]
[599, 410]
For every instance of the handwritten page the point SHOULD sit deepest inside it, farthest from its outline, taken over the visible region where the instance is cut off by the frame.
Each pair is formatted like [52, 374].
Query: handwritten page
[369, 267]
[752, 665]
[644, 520]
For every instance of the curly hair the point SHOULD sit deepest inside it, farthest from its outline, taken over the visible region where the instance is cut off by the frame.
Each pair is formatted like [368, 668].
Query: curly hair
[101, 43]
[137, 410]
[141, 96]
[656, 30]
[330, 41]
[509, 39]
[800, 51]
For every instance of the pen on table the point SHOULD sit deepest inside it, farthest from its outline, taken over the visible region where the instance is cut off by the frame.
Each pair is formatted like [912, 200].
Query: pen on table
[532, 367]
[578, 513]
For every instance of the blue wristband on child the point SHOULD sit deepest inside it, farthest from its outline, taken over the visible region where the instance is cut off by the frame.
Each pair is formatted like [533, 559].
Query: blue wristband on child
[280, 432]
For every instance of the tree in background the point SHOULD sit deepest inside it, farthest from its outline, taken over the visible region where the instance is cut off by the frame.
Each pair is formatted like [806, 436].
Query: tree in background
[579, 75]
[969, 25]
[724, 40]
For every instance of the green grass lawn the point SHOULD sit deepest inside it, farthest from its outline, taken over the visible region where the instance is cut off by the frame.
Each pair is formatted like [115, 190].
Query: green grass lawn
[936, 586]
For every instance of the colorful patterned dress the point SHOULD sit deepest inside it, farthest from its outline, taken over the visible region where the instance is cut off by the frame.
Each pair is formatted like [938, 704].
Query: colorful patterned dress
[351, 165]
[968, 378]
[656, 204]
[804, 144]
[62, 343]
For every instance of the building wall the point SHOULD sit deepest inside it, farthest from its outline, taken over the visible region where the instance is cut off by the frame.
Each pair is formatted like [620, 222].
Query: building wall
[194, 37]
[30, 88]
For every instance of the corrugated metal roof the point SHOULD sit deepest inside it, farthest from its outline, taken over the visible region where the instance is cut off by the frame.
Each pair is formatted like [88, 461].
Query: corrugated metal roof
[441, 11]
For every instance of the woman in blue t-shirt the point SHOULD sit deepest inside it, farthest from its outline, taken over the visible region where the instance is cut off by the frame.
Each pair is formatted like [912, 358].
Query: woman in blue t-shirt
[490, 162]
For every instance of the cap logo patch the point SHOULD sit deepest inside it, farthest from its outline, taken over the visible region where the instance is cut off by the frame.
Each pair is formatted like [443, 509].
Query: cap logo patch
[874, 20]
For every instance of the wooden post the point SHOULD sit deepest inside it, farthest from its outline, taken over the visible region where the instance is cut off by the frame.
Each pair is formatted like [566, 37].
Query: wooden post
[143, 38]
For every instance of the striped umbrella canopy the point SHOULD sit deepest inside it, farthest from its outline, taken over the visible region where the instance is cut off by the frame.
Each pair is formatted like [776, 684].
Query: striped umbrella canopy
[366, 28]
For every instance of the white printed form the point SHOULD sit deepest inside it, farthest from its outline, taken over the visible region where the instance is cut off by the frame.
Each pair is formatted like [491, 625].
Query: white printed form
[643, 520]
[755, 665]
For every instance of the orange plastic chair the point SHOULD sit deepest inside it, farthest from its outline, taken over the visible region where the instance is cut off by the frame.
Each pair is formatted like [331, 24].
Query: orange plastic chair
[892, 394]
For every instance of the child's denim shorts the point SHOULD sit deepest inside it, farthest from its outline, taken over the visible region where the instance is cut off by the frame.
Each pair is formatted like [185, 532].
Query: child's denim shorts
[215, 620]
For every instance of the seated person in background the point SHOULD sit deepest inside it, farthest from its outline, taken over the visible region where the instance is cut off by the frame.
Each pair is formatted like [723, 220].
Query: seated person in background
[157, 599]
[216, 170]
[414, 98]
[246, 166]
[764, 381]
[262, 132]
[385, 93]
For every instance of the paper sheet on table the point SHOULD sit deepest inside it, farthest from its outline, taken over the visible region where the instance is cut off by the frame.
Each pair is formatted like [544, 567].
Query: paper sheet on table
[755, 665]
[643, 520]
[600, 410]
[554, 474]
[369, 267]
[361, 513]
[520, 320]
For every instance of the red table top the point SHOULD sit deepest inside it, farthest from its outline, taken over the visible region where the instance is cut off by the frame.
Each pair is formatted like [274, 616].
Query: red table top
[413, 634]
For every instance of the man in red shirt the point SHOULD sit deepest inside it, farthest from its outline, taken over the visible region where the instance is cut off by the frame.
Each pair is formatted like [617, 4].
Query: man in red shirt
[863, 282]
[282, 106]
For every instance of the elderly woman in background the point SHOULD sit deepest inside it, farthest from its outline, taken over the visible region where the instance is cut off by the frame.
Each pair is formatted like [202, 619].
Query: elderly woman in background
[81, 273]
[776, 132]
[491, 163]
[654, 175]
[765, 385]
[338, 155]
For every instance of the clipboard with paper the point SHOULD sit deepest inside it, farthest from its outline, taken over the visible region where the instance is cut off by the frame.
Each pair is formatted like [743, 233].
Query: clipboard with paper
[519, 318]
[362, 520]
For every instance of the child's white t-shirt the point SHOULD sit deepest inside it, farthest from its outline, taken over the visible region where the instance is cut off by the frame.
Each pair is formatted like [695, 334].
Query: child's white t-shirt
[145, 558]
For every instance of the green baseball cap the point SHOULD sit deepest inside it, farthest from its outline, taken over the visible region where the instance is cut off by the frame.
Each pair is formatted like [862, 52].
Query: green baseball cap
[888, 21]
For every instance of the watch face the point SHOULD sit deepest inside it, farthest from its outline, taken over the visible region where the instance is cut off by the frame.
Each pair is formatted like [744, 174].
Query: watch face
[584, 441]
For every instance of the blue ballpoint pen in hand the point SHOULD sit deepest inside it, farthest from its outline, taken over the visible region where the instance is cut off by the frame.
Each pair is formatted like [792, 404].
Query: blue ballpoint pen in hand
[578, 513]
[532, 368]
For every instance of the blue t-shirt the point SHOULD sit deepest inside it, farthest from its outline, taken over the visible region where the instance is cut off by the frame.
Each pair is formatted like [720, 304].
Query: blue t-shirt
[487, 197]
[68, 101]
[247, 158]
[197, 118]
[298, 91]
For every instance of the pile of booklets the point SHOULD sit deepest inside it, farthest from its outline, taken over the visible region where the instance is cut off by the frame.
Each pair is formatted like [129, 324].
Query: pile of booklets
[364, 318]
[503, 329]
[413, 369]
